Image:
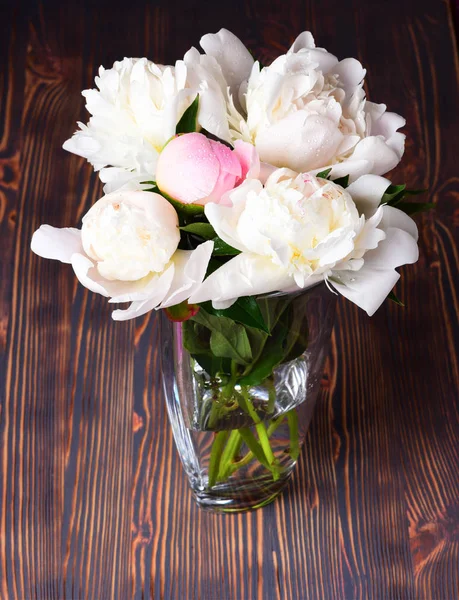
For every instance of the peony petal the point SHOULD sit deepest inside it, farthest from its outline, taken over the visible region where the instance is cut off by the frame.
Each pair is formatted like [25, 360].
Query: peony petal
[233, 57]
[189, 271]
[89, 276]
[367, 192]
[382, 122]
[304, 40]
[205, 75]
[117, 180]
[228, 161]
[224, 304]
[139, 308]
[224, 219]
[82, 145]
[350, 72]
[324, 60]
[265, 171]
[397, 143]
[248, 159]
[393, 217]
[187, 168]
[303, 142]
[244, 275]
[367, 288]
[375, 150]
[353, 168]
[399, 248]
[56, 243]
[134, 291]
[370, 286]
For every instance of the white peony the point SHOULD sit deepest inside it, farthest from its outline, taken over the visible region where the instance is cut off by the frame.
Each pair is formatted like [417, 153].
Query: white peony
[134, 111]
[297, 230]
[306, 111]
[127, 250]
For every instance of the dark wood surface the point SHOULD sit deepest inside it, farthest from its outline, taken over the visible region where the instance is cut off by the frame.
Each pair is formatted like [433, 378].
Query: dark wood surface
[93, 501]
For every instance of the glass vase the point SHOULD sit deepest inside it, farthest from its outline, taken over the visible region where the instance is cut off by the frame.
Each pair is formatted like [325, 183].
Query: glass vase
[239, 436]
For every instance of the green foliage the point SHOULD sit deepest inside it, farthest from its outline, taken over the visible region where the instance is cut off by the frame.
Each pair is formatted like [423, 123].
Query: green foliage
[221, 248]
[227, 338]
[342, 181]
[414, 208]
[184, 210]
[288, 340]
[392, 296]
[324, 174]
[245, 310]
[204, 230]
[187, 123]
[395, 195]
[256, 335]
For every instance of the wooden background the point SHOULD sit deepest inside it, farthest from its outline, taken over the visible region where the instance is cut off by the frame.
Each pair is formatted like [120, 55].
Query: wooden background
[93, 501]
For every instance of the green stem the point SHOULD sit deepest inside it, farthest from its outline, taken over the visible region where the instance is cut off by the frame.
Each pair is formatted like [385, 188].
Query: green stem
[226, 393]
[228, 390]
[261, 430]
[292, 419]
[232, 449]
[250, 455]
[215, 455]
[253, 445]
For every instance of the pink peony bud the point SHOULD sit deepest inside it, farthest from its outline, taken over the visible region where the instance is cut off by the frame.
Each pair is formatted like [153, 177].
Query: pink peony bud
[195, 170]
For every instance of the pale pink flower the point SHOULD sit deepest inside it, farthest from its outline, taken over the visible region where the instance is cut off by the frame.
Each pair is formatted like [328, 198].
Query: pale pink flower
[196, 170]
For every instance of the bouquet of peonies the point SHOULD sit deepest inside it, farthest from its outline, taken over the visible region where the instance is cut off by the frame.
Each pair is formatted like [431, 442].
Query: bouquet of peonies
[225, 181]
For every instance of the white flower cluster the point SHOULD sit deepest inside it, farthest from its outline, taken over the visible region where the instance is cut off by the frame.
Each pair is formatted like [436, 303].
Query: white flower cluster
[301, 115]
[306, 111]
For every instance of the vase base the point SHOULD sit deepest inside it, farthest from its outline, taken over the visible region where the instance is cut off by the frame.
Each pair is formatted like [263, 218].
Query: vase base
[228, 499]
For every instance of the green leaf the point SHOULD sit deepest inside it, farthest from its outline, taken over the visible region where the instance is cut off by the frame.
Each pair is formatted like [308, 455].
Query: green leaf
[257, 339]
[414, 208]
[232, 344]
[196, 338]
[342, 181]
[263, 368]
[392, 296]
[273, 308]
[204, 230]
[393, 194]
[228, 339]
[214, 366]
[214, 264]
[415, 192]
[288, 340]
[154, 188]
[187, 123]
[272, 354]
[185, 209]
[221, 248]
[324, 174]
[245, 310]
[152, 183]
[297, 336]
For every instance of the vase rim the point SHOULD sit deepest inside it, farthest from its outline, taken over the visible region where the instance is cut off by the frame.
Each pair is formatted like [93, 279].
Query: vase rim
[293, 292]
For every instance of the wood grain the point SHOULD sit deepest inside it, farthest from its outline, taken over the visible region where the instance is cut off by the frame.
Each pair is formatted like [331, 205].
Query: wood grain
[93, 500]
